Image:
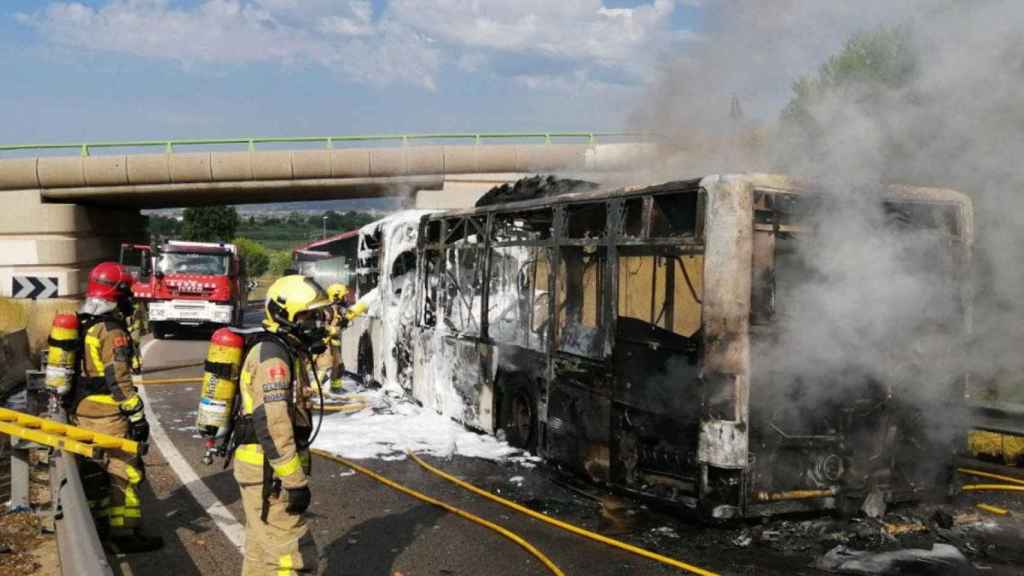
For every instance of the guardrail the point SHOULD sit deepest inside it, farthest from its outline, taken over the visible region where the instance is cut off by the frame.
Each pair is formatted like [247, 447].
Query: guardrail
[328, 141]
[78, 544]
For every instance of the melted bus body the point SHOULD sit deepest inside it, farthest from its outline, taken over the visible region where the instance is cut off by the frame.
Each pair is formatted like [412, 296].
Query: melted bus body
[611, 333]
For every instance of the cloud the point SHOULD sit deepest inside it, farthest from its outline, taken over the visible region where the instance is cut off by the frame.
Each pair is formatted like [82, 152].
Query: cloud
[231, 32]
[404, 42]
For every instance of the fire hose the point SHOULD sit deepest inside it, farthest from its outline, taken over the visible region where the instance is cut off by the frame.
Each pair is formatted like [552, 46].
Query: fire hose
[565, 525]
[447, 507]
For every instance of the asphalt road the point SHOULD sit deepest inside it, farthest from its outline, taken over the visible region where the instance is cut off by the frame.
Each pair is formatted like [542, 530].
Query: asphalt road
[364, 528]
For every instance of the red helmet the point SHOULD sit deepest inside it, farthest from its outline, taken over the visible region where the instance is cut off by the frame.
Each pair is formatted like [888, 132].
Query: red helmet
[109, 281]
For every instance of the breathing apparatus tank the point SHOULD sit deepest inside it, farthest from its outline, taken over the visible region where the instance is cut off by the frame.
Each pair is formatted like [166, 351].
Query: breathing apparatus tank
[62, 355]
[220, 384]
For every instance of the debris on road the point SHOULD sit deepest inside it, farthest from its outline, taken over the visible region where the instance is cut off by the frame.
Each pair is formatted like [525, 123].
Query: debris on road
[941, 560]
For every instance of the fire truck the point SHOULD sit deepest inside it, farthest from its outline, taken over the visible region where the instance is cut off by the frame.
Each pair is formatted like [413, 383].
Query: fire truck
[187, 284]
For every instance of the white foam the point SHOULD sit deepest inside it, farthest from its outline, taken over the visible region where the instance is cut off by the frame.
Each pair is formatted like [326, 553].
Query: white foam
[390, 427]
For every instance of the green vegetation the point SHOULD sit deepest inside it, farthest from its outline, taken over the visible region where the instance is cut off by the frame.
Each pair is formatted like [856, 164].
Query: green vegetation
[254, 255]
[295, 229]
[870, 66]
[272, 232]
[209, 224]
[279, 262]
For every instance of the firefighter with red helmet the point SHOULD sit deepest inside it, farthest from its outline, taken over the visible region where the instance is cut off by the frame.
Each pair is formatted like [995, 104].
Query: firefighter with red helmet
[104, 399]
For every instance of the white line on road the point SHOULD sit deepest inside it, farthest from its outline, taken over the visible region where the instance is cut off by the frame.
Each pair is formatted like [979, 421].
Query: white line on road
[223, 517]
[146, 346]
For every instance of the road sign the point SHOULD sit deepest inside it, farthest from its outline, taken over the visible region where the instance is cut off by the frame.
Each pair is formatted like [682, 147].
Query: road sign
[34, 287]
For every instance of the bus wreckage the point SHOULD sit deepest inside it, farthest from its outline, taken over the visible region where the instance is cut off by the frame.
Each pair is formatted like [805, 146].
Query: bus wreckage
[618, 335]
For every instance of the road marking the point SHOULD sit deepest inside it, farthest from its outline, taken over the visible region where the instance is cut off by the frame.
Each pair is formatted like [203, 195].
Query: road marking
[223, 517]
[145, 347]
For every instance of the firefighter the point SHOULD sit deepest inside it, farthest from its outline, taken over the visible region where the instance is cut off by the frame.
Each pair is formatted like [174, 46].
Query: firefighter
[271, 458]
[329, 364]
[104, 399]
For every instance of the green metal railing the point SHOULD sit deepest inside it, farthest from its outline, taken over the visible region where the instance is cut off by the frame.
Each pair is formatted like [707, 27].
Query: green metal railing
[328, 141]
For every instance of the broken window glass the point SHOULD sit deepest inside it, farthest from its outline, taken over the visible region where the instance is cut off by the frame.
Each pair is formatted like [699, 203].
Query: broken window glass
[522, 226]
[580, 295]
[633, 218]
[674, 215]
[432, 281]
[586, 220]
[664, 291]
[368, 270]
[463, 285]
[519, 297]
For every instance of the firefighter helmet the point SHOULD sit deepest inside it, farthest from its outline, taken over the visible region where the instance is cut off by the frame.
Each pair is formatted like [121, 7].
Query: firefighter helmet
[337, 292]
[109, 281]
[295, 304]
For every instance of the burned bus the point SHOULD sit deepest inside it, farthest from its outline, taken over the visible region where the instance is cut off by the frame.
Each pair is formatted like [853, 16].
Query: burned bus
[631, 337]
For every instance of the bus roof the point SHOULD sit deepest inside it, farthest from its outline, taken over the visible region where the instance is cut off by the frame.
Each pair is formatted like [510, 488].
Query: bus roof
[759, 181]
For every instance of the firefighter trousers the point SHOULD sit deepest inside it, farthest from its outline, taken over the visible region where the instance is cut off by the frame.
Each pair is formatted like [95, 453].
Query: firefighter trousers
[281, 545]
[112, 487]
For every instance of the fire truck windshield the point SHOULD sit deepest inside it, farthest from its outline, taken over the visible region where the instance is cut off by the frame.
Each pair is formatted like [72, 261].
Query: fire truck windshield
[185, 263]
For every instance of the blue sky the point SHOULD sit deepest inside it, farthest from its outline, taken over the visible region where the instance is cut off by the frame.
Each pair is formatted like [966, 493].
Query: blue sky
[129, 69]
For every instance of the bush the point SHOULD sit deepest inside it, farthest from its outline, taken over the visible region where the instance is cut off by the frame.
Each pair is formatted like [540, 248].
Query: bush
[254, 255]
[280, 261]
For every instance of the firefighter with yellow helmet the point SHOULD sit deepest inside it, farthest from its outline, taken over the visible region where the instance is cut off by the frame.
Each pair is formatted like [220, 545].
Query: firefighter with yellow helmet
[329, 364]
[271, 460]
[104, 399]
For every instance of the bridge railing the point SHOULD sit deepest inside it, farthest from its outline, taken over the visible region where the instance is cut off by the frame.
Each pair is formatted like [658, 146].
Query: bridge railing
[168, 146]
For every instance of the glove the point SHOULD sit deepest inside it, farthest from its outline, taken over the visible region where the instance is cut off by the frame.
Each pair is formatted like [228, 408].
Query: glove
[139, 431]
[298, 500]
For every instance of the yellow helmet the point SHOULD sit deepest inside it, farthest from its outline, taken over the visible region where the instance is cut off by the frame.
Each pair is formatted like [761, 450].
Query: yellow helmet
[289, 299]
[337, 292]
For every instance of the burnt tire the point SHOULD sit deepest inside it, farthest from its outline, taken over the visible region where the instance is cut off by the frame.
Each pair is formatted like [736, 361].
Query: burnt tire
[518, 412]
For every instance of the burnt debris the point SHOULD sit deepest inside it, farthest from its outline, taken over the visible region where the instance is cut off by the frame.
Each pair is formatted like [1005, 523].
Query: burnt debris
[532, 188]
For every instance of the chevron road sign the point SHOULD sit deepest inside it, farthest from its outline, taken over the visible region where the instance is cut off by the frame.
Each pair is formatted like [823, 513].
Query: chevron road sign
[33, 287]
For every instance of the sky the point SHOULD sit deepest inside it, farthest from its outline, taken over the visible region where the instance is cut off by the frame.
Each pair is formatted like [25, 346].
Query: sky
[155, 69]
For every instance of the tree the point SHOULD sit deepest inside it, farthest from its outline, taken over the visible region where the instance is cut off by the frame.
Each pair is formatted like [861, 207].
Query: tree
[870, 66]
[255, 256]
[280, 261]
[210, 224]
[163, 226]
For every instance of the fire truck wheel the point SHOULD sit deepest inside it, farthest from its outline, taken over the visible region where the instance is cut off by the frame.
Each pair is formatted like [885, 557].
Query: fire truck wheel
[159, 330]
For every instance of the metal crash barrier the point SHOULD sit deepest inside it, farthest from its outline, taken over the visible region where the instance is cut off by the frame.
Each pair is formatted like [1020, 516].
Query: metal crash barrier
[78, 544]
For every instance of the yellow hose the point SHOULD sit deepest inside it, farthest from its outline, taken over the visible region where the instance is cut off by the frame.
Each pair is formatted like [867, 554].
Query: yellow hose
[996, 487]
[999, 511]
[564, 525]
[444, 506]
[983, 474]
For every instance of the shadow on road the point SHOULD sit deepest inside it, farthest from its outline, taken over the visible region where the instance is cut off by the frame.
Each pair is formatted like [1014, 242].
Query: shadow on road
[372, 546]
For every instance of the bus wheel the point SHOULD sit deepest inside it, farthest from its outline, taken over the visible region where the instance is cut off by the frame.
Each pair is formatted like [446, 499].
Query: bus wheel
[519, 414]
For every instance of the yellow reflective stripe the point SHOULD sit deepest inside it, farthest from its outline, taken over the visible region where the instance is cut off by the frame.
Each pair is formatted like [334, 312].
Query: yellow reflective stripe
[250, 454]
[246, 381]
[131, 498]
[124, 512]
[284, 565]
[103, 399]
[93, 344]
[288, 468]
[132, 403]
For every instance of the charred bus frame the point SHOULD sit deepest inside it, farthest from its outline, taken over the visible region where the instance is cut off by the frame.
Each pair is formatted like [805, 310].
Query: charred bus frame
[610, 332]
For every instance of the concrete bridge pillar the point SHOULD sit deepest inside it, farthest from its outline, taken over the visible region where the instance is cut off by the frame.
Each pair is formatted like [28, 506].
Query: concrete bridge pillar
[47, 250]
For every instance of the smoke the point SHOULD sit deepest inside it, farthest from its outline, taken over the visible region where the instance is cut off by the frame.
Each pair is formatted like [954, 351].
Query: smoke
[869, 301]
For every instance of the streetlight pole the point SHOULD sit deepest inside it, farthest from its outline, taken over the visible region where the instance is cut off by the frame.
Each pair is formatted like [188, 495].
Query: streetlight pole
[325, 226]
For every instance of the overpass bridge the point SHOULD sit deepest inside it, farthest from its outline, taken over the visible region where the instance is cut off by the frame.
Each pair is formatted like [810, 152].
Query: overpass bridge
[68, 206]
